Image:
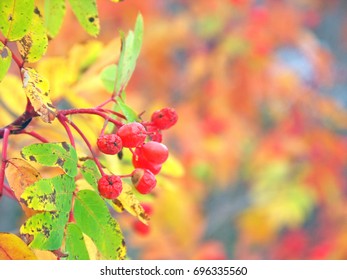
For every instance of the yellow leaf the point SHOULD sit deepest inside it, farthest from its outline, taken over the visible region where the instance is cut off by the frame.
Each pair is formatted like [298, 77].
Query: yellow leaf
[20, 174]
[128, 201]
[44, 255]
[14, 248]
[36, 89]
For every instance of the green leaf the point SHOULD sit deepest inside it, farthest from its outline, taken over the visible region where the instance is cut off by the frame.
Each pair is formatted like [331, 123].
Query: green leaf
[5, 60]
[90, 172]
[93, 218]
[127, 111]
[52, 194]
[131, 47]
[75, 246]
[47, 229]
[15, 18]
[108, 77]
[53, 16]
[87, 15]
[61, 154]
[34, 44]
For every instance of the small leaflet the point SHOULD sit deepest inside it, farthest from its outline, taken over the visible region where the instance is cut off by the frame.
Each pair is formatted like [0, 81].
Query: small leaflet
[36, 89]
[34, 44]
[87, 15]
[5, 60]
[94, 219]
[53, 16]
[61, 154]
[14, 248]
[15, 18]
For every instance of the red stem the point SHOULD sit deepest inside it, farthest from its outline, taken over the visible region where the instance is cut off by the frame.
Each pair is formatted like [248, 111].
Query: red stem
[90, 112]
[8, 192]
[35, 135]
[62, 119]
[3, 158]
[89, 146]
[105, 102]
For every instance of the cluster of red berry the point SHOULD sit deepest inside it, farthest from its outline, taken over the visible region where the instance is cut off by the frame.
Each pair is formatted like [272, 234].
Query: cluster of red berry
[148, 157]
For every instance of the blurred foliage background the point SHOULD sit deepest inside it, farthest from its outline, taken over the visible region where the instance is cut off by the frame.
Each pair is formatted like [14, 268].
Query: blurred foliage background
[260, 145]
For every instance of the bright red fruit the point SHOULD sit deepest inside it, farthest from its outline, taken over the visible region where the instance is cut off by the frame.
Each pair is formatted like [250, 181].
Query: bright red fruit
[143, 180]
[132, 134]
[141, 228]
[154, 133]
[164, 118]
[155, 152]
[110, 186]
[139, 161]
[110, 144]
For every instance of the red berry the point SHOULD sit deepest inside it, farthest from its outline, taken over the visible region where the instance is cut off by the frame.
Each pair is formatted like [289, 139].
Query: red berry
[155, 152]
[154, 133]
[143, 180]
[147, 208]
[139, 161]
[132, 134]
[110, 186]
[141, 228]
[110, 144]
[164, 118]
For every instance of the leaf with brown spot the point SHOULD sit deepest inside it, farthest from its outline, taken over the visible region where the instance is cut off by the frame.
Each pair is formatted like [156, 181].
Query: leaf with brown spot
[36, 89]
[128, 201]
[14, 248]
[20, 174]
[34, 44]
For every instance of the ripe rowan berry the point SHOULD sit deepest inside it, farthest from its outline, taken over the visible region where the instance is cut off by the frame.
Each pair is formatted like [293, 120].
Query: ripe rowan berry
[154, 133]
[164, 118]
[139, 161]
[143, 180]
[109, 144]
[155, 152]
[110, 186]
[132, 134]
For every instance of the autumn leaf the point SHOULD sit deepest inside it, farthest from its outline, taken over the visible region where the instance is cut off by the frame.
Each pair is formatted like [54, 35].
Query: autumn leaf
[62, 155]
[54, 11]
[35, 42]
[15, 18]
[36, 89]
[93, 218]
[20, 174]
[128, 201]
[75, 245]
[14, 248]
[87, 15]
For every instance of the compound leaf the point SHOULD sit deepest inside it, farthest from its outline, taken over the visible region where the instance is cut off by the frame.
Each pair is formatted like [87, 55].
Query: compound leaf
[5, 60]
[15, 18]
[53, 16]
[47, 228]
[75, 245]
[59, 154]
[34, 44]
[14, 248]
[87, 15]
[93, 218]
[36, 89]
[52, 194]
